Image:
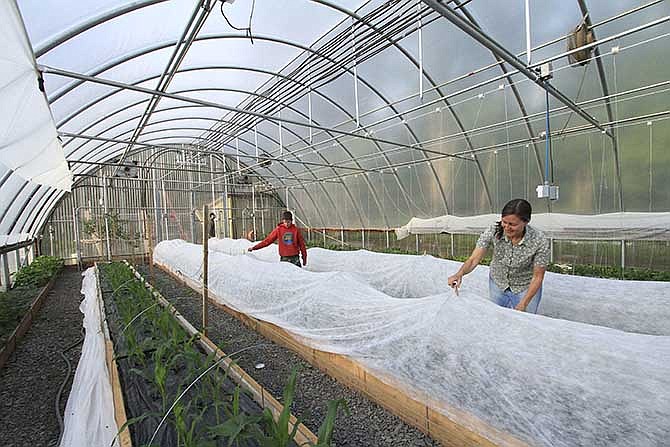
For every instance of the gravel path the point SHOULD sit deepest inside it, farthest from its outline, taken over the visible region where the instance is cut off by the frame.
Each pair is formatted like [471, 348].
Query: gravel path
[30, 380]
[368, 425]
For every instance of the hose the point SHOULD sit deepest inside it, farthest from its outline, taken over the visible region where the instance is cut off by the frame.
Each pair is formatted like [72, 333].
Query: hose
[61, 426]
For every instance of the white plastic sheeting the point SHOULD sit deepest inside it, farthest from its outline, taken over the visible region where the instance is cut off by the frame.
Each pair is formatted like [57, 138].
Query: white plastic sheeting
[546, 381]
[612, 226]
[89, 414]
[28, 140]
[632, 306]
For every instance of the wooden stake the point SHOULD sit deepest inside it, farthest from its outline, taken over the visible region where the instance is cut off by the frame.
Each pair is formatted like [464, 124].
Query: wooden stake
[205, 240]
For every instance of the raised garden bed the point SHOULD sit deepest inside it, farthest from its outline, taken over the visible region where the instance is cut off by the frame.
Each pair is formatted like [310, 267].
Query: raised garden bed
[367, 425]
[19, 305]
[158, 361]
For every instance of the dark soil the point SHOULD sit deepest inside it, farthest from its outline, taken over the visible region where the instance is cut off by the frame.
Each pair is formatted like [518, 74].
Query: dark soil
[31, 378]
[367, 425]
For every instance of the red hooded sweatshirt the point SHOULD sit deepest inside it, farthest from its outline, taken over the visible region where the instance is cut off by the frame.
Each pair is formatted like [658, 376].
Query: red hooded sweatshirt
[289, 239]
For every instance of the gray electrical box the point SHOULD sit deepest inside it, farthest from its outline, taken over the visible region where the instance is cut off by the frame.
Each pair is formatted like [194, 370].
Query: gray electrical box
[547, 191]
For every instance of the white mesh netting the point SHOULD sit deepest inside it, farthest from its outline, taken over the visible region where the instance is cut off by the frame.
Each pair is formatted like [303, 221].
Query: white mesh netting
[612, 226]
[546, 381]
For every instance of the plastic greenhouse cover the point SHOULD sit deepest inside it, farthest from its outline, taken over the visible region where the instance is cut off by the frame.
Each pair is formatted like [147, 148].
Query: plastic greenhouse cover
[612, 226]
[28, 140]
[546, 381]
[632, 306]
[89, 414]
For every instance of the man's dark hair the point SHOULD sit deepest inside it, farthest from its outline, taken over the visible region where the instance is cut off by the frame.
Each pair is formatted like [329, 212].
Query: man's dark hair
[212, 215]
[518, 207]
[287, 215]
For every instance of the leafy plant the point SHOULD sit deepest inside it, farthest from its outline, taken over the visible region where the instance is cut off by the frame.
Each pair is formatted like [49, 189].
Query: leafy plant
[39, 272]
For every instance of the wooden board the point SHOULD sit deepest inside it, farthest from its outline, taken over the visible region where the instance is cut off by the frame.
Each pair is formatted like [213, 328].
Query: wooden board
[261, 396]
[459, 429]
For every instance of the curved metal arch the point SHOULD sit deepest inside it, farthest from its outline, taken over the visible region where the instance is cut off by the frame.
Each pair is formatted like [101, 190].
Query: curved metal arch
[146, 142]
[267, 137]
[19, 215]
[36, 212]
[270, 139]
[18, 193]
[156, 47]
[324, 96]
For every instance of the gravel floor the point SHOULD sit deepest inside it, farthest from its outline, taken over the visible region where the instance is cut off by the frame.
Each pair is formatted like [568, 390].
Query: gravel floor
[368, 424]
[30, 380]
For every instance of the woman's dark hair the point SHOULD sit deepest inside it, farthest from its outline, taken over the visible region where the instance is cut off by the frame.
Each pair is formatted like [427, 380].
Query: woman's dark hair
[518, 207]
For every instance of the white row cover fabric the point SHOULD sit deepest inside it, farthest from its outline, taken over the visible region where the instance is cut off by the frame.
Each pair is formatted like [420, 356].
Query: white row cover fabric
[89, 414]
[632, 306]
[28, 139]
[546, 381]
[612, 226]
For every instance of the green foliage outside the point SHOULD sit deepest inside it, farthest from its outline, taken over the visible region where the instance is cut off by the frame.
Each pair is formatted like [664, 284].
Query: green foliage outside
[157, 349]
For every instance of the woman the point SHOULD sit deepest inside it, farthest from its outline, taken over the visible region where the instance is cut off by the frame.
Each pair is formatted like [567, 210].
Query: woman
[520, 258]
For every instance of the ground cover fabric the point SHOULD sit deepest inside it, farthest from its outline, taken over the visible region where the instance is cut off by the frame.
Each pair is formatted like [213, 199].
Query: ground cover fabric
[546, 381]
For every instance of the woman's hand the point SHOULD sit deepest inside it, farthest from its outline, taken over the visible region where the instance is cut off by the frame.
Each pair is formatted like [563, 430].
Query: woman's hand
[455, 281]
[521, 306]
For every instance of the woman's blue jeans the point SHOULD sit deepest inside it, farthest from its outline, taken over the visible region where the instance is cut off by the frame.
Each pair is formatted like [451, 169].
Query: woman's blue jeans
[507, 298]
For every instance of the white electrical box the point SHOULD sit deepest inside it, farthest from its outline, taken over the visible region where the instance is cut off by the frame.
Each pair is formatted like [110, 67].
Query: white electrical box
[547, 191]
[546, 71]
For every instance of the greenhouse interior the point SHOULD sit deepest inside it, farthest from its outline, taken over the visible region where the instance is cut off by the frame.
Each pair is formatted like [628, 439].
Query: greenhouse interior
[333, 223]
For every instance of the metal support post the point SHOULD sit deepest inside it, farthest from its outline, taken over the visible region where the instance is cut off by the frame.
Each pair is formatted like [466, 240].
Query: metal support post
[106, 211]
[623, 258]
[388, 242]
[75, 217]
[17, 253]
[551, 250]
[363, 238]
[4, 286]
[253, 208]
[416, 237]
[342, 236]
[205, 268]
[451, 235]
[191, 219]
[324, 238]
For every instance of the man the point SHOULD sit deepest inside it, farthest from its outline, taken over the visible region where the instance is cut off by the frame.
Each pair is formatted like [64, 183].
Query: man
[291, 242]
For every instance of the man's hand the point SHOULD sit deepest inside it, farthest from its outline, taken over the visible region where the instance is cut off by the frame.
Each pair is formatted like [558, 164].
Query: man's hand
[250, 249]
[521, 306]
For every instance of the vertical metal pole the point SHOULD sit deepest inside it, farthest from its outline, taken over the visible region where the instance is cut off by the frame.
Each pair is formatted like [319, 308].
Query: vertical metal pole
[281, 141]
[551, 250]
[191, 200]
[150, 240]
[353, 42]
[324, 238]
[388, 242]
[416, 237]
[342, 236]
[623, 258]
[237, 152]
[418, 7]
[205, 268]
[452, 245]
[253, 208]
[106, 211]
[17, 254]
[211, 182]
[140, 228]
[256, 140]
[5, 273]
[75, 218]
[166, 217]
[286, 202]
[262, 217]
[51, 240]
[363, 238]
[528, 46]
[225, 201]
[309, 114]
